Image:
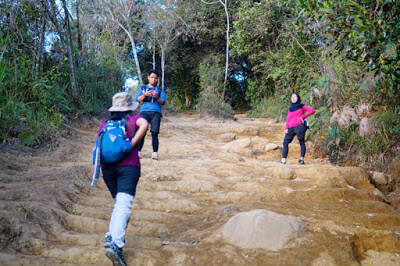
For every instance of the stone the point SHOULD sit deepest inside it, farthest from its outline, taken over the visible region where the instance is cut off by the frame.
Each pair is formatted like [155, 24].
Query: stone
[324, 259]
[283, 172]
[379, 178]
[344, 117]
[258, 144]
[363, 109]
[241, 146]
[395, 170]
[262, 229]
[365, 127]
[271, 147]
[228, 137]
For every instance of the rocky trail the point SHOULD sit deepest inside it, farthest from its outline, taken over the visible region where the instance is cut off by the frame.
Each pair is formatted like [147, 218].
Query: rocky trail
[208, 171]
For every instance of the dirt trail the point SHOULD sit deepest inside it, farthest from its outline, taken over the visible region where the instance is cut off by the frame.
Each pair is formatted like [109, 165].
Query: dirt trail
[49, 216]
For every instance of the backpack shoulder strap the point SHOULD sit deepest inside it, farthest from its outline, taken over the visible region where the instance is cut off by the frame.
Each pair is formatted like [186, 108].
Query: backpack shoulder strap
[129, 125]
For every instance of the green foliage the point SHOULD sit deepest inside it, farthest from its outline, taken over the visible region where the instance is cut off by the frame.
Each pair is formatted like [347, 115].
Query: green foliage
[273, 107]
[346, 144]
[319, 122]
[35, 107]
[367, 32]
[212, 104]
[28, 213]
[211, 82]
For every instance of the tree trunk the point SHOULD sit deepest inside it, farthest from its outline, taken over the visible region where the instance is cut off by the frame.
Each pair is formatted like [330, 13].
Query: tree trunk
[78, 26]
[154, 54]
[70, 53]
[39, 58]
[162, 65]
[227, 50]
[133, 44]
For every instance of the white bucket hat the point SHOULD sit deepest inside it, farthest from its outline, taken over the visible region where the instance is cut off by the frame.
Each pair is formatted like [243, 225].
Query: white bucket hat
[122, 102]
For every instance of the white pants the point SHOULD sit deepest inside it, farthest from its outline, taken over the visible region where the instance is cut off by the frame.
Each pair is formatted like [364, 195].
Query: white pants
[120, 218]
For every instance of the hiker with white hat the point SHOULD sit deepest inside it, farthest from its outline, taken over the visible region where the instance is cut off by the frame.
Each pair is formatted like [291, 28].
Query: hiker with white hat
[122, 176]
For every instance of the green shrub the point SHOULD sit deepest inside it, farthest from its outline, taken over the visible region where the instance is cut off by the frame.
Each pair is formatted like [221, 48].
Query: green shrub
[272, 107]
[211, 82]
[212, 104]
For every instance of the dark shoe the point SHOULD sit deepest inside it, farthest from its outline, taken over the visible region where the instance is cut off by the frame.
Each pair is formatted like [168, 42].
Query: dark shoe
[114, 253]
[301, 161]
[107, 240]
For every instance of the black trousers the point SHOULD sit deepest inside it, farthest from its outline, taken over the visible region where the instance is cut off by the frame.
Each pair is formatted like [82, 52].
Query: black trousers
[121, 179]
[154, 118]
[300, 132]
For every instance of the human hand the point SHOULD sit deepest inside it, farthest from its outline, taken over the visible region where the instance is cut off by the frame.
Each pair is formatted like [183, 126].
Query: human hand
[302, 120]
[148, 93]
[286, 131]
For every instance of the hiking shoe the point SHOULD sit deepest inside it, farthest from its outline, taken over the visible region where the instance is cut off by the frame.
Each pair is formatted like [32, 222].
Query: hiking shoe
[283, 162]
[107, 240]
[114, 253]
[154, 156]
[301, 161]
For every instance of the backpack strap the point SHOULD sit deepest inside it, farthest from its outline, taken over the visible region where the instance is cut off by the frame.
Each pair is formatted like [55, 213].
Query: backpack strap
[129, 125]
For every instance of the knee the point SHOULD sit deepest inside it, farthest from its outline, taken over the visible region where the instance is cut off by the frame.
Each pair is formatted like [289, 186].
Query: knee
[124, 201]
[154, 134]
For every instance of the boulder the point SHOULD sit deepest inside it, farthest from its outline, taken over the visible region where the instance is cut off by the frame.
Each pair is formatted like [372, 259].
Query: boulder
[363, 109]
[258, 144]
[365, 127]
[344, 117]
[395, 170]
[283, 172]
[228, 137]
[379, 178]
[262, 229]
[271, 147]
[241, 146]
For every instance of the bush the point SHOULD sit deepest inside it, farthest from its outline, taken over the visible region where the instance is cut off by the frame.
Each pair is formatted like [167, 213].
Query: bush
[212, 104]
[272, 107]
[34, 107]
[211, 82]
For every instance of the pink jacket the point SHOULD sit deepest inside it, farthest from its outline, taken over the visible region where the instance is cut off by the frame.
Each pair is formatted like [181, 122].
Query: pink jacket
[293, 118]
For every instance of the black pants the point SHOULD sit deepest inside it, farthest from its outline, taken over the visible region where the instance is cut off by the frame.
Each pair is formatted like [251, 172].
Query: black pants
[298, 131]
[154, 118]
[121, 179]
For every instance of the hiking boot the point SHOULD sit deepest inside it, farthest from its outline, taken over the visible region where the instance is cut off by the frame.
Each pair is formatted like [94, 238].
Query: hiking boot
[114, 253]
[154, 156]
[107, 240]
[301, 161]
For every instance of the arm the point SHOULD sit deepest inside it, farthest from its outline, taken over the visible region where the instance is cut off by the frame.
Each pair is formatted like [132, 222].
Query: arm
[309, 111]
[161, 99]
[140, 96]
[143, 126]
[287, 122]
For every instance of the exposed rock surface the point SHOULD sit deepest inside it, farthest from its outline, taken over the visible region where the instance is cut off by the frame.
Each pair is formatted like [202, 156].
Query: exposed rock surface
[262, 229]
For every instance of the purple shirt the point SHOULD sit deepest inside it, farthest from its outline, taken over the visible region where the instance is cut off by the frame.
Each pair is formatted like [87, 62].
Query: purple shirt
[132, 159]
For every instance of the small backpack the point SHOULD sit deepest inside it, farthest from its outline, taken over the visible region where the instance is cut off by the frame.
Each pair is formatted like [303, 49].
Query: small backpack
[112, 145]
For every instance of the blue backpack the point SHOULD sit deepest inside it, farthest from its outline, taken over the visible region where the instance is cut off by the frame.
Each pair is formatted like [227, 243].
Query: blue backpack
[112, 145]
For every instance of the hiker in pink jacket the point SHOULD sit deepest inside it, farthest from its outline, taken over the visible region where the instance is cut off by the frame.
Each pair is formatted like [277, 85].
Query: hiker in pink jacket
[295, 126]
